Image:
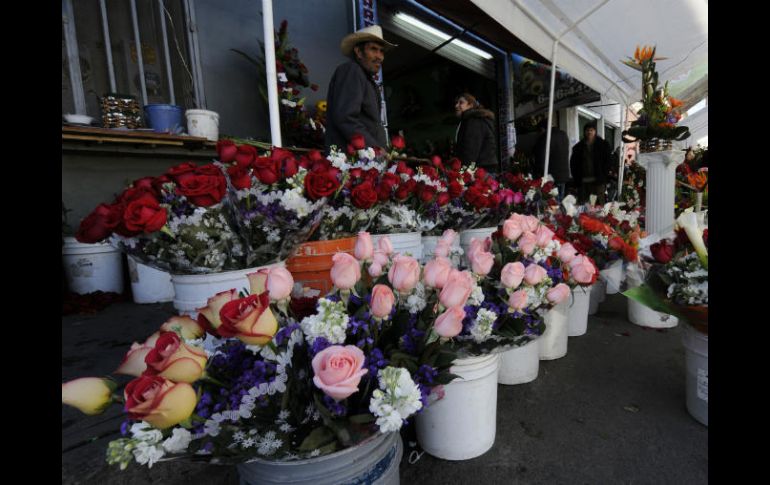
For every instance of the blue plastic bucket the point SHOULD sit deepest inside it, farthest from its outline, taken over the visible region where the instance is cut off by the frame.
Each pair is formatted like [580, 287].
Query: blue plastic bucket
[164, 118]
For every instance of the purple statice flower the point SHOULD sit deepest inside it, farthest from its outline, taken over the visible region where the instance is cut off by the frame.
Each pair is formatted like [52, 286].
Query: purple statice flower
[412, 336]
[335, 297]
[125, 427]
[424, 378]
[374, 362]
[470, 317]
[336, 408]
[319, 344]
[284, 333]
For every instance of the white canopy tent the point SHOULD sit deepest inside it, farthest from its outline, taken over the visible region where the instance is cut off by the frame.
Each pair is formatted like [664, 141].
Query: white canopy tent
[698, 123]
[589, 38]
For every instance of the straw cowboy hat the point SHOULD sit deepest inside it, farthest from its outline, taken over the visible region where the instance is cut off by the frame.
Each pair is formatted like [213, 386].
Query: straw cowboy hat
[373, 33]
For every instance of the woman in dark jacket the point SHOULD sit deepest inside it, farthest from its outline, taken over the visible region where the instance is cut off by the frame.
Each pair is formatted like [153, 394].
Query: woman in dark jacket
[475, 139]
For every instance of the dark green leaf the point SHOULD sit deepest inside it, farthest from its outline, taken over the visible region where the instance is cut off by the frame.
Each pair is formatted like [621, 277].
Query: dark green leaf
[319, 437]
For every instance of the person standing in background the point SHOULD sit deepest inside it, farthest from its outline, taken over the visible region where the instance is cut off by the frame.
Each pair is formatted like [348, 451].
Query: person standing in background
[558, 163]
[475, 136]
[590, 165]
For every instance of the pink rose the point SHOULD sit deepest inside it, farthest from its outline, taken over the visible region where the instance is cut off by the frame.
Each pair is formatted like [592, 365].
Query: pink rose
[583, 269]
[518, 300]
[375, 270]
[558, 293]
[529, 223]
[518, 197]
[280, 282]
[544, 236]
[567, 252]
[478, 245]
[450, 323]
[437, 272]
[442, 250]
[448, 237]
[385, 245]
[382, 301]
[481, 262]
[512, 227]
[457, 289]
[338, 370]
[346, 271]
[404, 274]
[512, 274]
[364, 247]
[527, 243]
[534, 274]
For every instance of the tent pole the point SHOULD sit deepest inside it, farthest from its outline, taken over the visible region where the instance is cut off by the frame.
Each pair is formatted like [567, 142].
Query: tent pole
[272, 79]
[550, 112]
[622, 153]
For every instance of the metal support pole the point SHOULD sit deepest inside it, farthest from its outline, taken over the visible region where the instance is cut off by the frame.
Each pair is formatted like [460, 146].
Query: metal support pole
[191, 53]
[162, 11]
[550, 110]
[622, 151]
[272, 79]
[197, 50]
[138, 40]
[108, 45]
[73, 56]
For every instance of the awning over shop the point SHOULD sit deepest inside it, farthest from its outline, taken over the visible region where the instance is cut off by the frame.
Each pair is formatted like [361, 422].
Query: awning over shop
[607, 32]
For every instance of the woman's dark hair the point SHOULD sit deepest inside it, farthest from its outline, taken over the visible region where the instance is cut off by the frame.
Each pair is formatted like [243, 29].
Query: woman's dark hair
[471, 99]
[590, 124]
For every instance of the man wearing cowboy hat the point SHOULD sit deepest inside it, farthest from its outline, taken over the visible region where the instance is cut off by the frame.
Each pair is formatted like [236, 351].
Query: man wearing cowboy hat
[353, 100]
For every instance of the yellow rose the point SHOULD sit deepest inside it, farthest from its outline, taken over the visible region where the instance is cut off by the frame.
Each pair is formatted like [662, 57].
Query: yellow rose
[91, 395]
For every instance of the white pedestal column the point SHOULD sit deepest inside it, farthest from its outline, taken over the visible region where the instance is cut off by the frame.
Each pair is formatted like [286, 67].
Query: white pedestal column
[661, 177]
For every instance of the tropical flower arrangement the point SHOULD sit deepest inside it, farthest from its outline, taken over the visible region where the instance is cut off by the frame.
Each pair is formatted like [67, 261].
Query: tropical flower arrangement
[277, 385]
[675, 272]
[660, 112]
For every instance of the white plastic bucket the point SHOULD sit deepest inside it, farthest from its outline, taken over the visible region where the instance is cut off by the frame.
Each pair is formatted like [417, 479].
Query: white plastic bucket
[469, 234]
[149, 285]
[577, 322]
[461, 425]
[192, 291]
[406, 243]
[429, 244]
[597, 295]
[92, 267]
[644, 316]
[553, 342]
[613, 277]
[375, 461]
[203, 123]
[696, 347]
[520, 364]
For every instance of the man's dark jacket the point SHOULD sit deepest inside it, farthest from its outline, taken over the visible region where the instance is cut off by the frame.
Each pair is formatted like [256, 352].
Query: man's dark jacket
[353, 106]
[601, 157]
[476, 139]
[558, 164]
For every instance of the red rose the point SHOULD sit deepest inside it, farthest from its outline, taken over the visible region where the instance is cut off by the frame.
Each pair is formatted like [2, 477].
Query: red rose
[315, 156]
[431, 172]
[246, 155]
[494, 201]
[180, 171]
[662, 251]
[350, 150]
[320, 184]
[402, 193]
[372, 175]
[442, 199]
[145, 183]
[455, 164]
[427, 192]
[616, 243]
[157, 184]
[144, 214]
[358, 142]
[303, 307]
[226, 150]
[240, 177]
[455, 189]
[402, 167]
[99, 224]
[383, 191]
[320, 166]
[436, 161]
[467, 178]
[681, 241]
[706, 237]
[356, 173]
[364, 196]
[209, 169]
[397, 141]
[481, 174]
[203, 190]
[266, 175]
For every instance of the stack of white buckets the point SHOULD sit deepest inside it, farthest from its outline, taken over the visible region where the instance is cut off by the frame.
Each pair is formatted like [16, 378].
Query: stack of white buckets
[92, 267]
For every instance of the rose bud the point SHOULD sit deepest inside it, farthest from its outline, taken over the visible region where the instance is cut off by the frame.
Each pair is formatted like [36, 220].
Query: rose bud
[338, 370]
[448, 236]
[398, 142]
[583, 269]
[441, 250]
[481, 262]
[450, 323]
[518, 300]
[534, 274]
[380, 258]
[91, 395]
[558, 293]
[159, 401]
[175, 360]
[186, 327]
[385, 245]
[436, 272]
[133, 363]
[567, 252]
[245, 155]
[346, 271]
[375, 270]
[530, 223]
[404, 274]
[512, 274]
[226, 150]
[544, 236]
[527, 243]
[364, 249]
[512, 228]
[208, 316]
[249, 319]
[457, 289]
[382, 301]
[662, 251]
[358, 142]
[279, 283]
